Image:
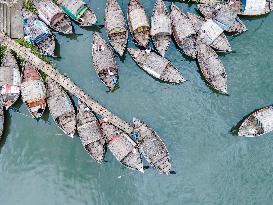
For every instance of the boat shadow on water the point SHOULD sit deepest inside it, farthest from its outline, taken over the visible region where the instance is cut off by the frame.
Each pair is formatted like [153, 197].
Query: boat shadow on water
[6, 131]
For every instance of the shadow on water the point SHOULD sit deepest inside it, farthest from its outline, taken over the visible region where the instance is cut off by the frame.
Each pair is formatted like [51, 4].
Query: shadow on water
[6, 131]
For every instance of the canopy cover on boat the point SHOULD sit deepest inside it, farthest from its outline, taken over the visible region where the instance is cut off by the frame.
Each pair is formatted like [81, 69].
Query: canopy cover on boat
[265, 119]
[115, 26]
[33, 90]
[253, 7]
[138, 19]
[210, 31]
[36, 30]
[75, 8]
[61, 106]
[161, 24]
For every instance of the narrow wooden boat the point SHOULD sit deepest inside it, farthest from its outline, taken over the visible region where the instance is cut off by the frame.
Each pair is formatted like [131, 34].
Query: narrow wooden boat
[10, 80]
[53, 16]
[156, 65]
[38, 33]
[257, 123]
[115, 26]
[90, 133]
[1, 119]
[60, 107]
[104, 62]
[79, 11]
[138, 23]
[212, 68]
[183, 32]
[161, 27]
[152, 147]
[122, 147]
[33, 91]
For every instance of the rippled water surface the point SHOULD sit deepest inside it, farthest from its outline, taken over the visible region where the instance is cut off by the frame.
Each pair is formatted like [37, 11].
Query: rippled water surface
[39, 165]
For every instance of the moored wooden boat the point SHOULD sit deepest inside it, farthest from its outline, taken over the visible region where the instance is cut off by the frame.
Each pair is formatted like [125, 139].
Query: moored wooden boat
[38, 33]
[183, 32]
[104, 62]
[1, 119]
[10, 80]
[152, 147]
[115, 26]
[79, 11]
[138, 23]
[90, 133]
[161, 27]
[60, 107]
[156, 65]
[212, 68]
[33, 91]
[122, 147]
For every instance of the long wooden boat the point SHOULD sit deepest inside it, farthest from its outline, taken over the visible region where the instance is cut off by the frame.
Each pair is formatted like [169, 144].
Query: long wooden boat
[152, 147]
[104, 62]
[90, 132]
[122, 147]
[33, 91]
[257, 123]
[38, 33]
[210, 33]
[156, 65]
[212, 68]
[53, 16]
[138, 23]
[79, 11]
[161, 27]
[10, 80]
[183, 32]
[2, 119]
[60, 107]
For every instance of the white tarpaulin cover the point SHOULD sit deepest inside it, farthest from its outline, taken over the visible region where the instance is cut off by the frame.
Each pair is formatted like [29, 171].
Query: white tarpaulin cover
[138, 18]
[210, 31]
[265, 119]
[33, 90]
[160, 24]
[254, 7]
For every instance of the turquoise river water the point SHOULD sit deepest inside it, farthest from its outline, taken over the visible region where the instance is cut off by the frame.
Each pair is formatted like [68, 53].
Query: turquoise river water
[39, 165]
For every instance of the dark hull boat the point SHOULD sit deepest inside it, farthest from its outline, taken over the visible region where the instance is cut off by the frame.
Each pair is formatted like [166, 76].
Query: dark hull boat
[1, 119]
[212, 68]
[60, 107]
[161, 27]
[90, 133]
[78, 11]
[37, 33]
[104, 62]
[33, 91]
[183, 32]
[138, 23]
[156, 66]
[115, 25]
[152, 147]
[10, 80]
[122, 147]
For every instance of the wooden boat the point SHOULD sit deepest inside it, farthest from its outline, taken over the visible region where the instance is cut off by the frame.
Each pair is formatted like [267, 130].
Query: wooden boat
[210, 33]
[161, 27]
[212, 68]
[115, 26]
[183, 32]
[53, 16]
[104, 62]
[90, 133]
[79, 11]
[60, 107]
[1, 119]
[138, 23]
[33, 91]
[38, 33]
[122, 147]
[156, 65]
[257, 123]
[10, 80]
[152, 147]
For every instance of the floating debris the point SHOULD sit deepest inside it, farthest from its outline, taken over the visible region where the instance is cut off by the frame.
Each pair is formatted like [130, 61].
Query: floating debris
[156, 65]
[152, 147]
[60, 107]
[79, 11]
[33, 91]
[122, 147]
[10, 80]
[2, 118]
[138, 23]
[212, 68]
[183, 32]
[37, 33]
[90, 133]
[161, 30]
[104, 62]
[115, 26]
[53, 16]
